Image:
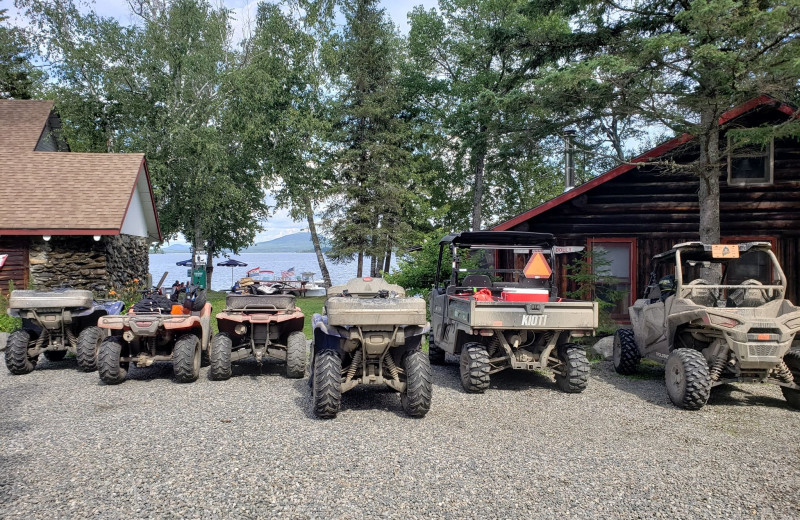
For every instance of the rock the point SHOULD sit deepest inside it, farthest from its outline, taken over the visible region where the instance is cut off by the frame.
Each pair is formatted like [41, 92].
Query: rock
[605, 347]
[3, 340]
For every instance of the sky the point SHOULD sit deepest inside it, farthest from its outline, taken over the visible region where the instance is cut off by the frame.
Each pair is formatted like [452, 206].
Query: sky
[280, 223]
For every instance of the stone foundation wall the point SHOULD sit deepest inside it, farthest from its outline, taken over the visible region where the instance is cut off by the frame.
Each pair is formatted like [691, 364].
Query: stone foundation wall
[83, 263]
[127, 258]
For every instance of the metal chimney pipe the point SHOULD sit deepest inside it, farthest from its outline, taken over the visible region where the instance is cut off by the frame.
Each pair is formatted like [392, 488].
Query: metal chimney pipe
[569, 159]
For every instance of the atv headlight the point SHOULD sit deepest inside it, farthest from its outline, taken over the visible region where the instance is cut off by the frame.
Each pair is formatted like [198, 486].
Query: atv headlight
[240, 329]
[723, 321]
[794, 323]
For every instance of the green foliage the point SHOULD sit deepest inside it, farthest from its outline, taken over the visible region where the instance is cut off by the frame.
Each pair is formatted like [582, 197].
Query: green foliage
[19, 77]
[417, 268]
[8, 323]
[587, 272]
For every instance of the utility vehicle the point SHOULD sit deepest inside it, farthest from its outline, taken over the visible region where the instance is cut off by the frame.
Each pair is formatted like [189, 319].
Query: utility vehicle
[496, 318]
[714, 314]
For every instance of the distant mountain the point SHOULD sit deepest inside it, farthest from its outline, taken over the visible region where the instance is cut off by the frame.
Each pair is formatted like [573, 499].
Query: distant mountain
[294, 243]
[175, 248]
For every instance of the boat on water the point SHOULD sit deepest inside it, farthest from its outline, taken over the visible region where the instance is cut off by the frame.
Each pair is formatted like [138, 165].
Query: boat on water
[266, 282]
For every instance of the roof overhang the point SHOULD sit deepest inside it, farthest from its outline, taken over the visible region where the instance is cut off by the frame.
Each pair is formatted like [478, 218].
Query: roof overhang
[655, 153]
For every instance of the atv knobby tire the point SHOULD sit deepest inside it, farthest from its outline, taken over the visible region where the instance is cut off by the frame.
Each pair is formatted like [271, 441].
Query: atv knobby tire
[416, 400]
[220, 353]
[792, 396]
[435, 354]
[17, 360]
[89, 341]
[687, 378]
[575, 368]
[326, 385]
[55, 355]
[296, 355]
[474, 368]
[626, 354]
[186, 358]
[111, 371]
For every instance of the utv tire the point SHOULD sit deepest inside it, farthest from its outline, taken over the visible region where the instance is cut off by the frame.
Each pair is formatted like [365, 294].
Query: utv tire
[576, 368]
[111, 370]
[89, 341]
[625, 354]
[186, 358]
[687, 378]
[296, 355]
[326, 385]
[55, 355]
[474, 368]
[17, 360]
[416, 400]
[220, 353]
[435, 354]
[792, 396]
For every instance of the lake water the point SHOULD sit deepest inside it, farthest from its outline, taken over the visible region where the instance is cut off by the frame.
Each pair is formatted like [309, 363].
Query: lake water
[277, 262]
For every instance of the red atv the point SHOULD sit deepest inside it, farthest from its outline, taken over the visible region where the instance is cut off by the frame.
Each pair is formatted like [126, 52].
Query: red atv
[258, 325]
[157, 329]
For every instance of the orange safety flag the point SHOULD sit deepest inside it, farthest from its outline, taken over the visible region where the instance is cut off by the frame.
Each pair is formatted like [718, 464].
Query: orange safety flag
[537, 267]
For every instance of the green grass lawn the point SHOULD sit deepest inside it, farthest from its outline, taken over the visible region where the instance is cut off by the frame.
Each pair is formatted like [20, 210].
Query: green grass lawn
[309, 306]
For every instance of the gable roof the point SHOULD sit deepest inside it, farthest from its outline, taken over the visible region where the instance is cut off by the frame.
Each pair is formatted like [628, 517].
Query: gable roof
[65, 193]
[655, 153]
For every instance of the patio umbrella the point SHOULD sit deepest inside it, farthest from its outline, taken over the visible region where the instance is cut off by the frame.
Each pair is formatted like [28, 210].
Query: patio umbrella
[231, 262]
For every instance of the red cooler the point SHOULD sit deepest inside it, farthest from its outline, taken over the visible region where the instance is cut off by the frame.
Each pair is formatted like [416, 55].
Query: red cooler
[525, 295]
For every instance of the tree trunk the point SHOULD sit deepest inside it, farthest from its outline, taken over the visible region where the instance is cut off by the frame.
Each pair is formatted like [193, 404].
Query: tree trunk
[312, 228]
[387, 261]
[709, 165]
[708, 193]
[480, 163]
[210, 248]
[360, 265]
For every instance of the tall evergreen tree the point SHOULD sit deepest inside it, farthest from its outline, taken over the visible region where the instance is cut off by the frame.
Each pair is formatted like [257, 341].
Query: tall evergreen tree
[366, 218]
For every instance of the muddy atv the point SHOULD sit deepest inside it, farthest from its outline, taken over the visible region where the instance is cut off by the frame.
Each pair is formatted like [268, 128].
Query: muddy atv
[54, 323]
[370, 334]
[714, 314]
[496, 319]
[259, 326]
[157, 329]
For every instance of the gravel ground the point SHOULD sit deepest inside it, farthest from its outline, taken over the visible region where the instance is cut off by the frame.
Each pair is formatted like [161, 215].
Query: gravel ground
[71, 447]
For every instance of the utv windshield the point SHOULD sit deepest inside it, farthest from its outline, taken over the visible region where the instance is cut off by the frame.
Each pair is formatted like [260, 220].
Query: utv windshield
[749, 280]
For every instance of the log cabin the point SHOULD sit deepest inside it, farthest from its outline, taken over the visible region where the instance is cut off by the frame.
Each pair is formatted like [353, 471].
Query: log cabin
[644, 207]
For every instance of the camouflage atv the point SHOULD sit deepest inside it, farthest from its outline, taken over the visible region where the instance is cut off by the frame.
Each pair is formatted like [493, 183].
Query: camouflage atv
[370, 334]
[256, 325]
[53, 323]
[157, 329]
[714, 315]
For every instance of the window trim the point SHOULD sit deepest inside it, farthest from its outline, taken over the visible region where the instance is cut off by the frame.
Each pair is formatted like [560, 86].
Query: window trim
[767, 180]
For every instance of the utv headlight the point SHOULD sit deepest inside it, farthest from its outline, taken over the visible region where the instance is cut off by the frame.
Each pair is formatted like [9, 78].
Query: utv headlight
[723, 321]
[794, 323]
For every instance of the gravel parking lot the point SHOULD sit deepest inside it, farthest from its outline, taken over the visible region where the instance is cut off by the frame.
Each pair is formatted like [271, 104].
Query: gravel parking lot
[71, 447]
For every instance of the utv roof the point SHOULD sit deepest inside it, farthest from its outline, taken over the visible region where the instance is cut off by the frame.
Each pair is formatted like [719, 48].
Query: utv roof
[499, 238]
[700, 247]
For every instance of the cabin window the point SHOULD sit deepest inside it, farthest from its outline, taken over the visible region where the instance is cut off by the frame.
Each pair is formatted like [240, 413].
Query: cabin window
[617, 272]
[750, 165]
